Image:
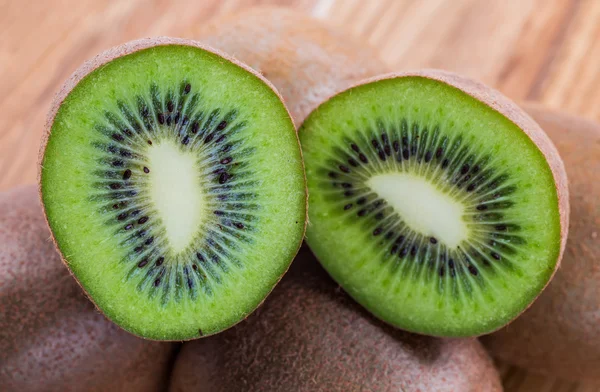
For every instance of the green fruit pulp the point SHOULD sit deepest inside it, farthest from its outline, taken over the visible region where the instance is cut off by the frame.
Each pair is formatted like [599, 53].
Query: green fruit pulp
[455, 248]
[212, 221]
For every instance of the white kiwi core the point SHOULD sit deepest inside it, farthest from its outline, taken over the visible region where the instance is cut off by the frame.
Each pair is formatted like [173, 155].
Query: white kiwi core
[176, 192]
[422, 206]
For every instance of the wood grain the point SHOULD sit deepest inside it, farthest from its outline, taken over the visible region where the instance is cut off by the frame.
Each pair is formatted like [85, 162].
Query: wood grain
[540, 50]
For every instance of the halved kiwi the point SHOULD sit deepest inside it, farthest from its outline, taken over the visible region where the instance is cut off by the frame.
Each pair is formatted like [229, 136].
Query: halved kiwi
[173, 183]
[435, 202]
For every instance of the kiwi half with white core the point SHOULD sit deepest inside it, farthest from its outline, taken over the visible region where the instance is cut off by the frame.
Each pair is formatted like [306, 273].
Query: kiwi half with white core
[434, 201]
[173, 183]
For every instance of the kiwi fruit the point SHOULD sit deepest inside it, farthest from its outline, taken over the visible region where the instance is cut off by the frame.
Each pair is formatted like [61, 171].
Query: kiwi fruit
[172, 180]
[310, 336]
[435, 202]
[307, 60]
[51, 336]
[560, 334]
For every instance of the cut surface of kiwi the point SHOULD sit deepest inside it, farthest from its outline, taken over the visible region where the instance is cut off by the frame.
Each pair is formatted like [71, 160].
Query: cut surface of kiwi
[434, 210]
[173, 183]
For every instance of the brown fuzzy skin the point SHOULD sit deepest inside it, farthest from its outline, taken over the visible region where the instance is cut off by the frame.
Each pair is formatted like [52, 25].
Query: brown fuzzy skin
[305, 59]
[310, 336]
[560, 333]
[110, 55]
[51, 336]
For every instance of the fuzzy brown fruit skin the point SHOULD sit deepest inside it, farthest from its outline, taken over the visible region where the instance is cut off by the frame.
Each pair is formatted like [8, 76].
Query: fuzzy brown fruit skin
[310, 336]
[51, 336]
[305, 59]
[560, 333]
[110, 55]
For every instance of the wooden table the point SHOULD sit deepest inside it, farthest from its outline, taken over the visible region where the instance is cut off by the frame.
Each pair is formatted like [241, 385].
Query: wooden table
[538, 50]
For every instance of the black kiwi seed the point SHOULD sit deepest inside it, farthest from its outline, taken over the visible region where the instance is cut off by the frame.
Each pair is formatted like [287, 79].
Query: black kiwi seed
[142, 263]
[170, 106]
[224, 177]
[161, 118]
[146, 170]
[473, 270]
[187, 88]
[143, 220]
[126, 174]
[348, 206]
[159, 261]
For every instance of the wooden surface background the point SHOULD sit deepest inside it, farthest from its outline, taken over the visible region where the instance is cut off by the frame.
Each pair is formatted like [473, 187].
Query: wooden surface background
[538, 50]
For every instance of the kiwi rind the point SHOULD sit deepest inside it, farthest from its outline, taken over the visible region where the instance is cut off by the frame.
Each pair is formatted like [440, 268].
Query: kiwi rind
[51, 336]
[310, 336]
[99, 61]
[559, 334]
[502, 105]
[306, 59]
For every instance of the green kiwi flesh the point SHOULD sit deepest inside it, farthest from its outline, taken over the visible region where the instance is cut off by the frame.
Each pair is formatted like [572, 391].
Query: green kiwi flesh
[173, 183]
[432, 209]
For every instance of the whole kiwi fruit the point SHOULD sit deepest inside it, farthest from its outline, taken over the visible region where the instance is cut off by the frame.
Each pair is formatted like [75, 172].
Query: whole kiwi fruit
[51, 336]
[310, 336]
[306, 60]
[560, 333]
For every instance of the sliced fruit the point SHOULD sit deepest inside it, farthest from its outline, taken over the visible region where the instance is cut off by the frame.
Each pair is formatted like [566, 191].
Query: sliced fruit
[173, 183]
[435, 202]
